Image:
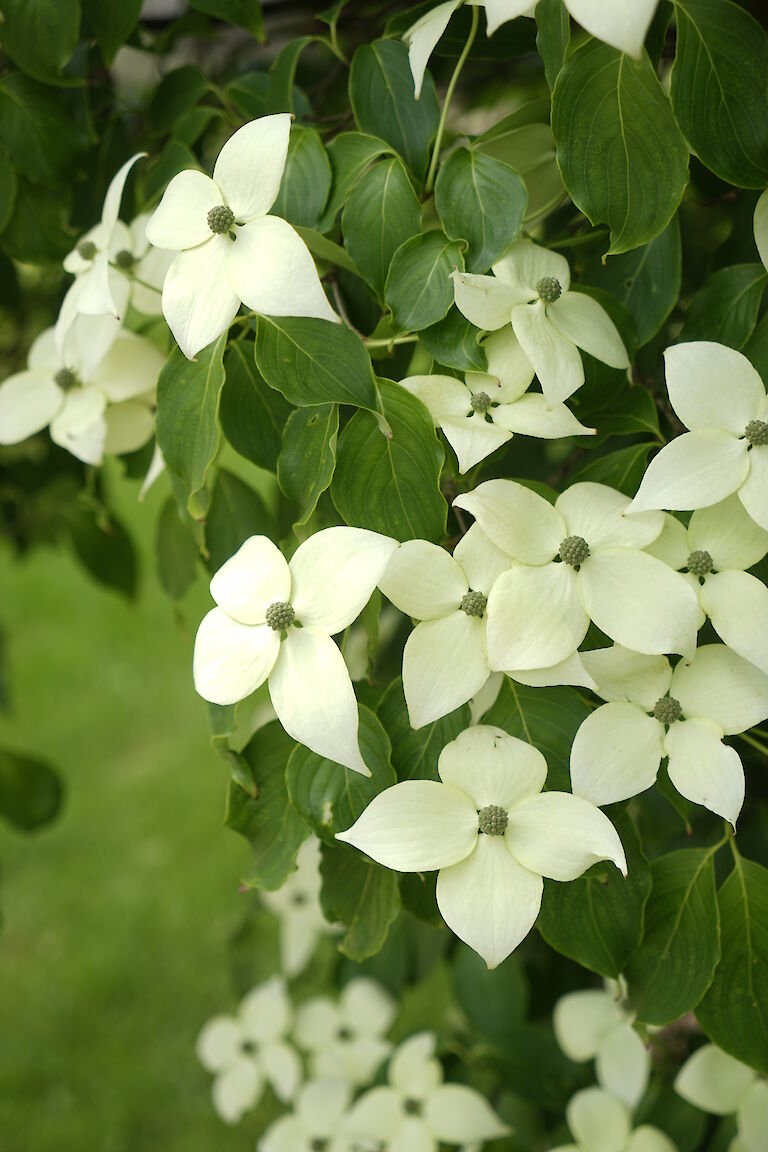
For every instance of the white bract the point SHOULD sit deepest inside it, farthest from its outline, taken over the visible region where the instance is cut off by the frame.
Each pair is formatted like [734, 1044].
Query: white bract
[578, 561]
[247, 1051]
[761, 227]
[719, 396]
[529, 289]
[683, 714]
[491, 833]
[445, 661]
[297, 906]
[484, 412]
[596, 1025]
[718, 545]
[275, 620]
[600, 1123]
[712, 1080]
[97, 394]
[345, 1038]
[315, 1123]
[417, 1110]
[623, 24]
[230, 249]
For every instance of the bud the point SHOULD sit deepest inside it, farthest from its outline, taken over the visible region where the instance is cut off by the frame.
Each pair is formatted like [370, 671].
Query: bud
[124, 259]
[86, 249]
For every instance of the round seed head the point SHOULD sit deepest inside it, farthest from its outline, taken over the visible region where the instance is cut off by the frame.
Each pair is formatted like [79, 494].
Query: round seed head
[667, 710]
[412, 1107]
[86, 249]
[220, 219]
[319, 1144]
[124, 259]
[493, 820]
[757, 433]
[549, 289]
[279, 616]
[474, 603]
[574, 550]
[699, 563]
[65, 378]
[480, 402]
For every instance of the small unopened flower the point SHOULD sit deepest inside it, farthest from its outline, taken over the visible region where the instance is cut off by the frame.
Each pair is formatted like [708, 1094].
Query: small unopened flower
[601, 1123]
[297, 906]
[712, 1080]
[345, 1038]
[595, 1024]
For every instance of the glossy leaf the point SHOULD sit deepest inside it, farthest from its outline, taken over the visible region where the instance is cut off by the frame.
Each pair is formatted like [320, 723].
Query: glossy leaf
[622, 469]
[482, 201]
[236, 512]
[419, 288]
[308, 456]
[39, 130]
[246, 13]
[314, 362]
[415, 751]
[306, 179]
[361, 895]
[548, 718]
[524, 141]
[553, 35]
[454, 342]
[112, 23]
[40, 36]
[350, 154]
[381, 213]
[726, 307]
[252, 415]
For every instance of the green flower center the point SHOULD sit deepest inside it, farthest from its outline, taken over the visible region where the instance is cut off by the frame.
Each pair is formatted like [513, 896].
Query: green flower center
[574, 550]
[549, 289]
[66, 379]
[474, 603]
[220, 219]
[492, 820]
[299, 899]
[757, 433]
[344, 1034]
[124, 259]
[412, 1107]
[319, 1144]
[480, 402]
[248, 1047]
[667, 710]
[279, 616]
[700, 563]
[86, 249]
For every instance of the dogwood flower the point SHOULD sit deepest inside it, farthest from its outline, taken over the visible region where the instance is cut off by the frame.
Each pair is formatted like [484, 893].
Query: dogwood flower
[490, 832]
[600, 1123]
[97, 394]
[529, 289]
[345, 1038]
[578, 561]
[417, 1110]
[712, 1080]
[595, 1024]
[719, 544]
[297, 906]
[249, 1050]
[481, 414]
[622, 25]
[653, 711]
[230, 249]
[315, 1122]
[274, 620]
[719, 396]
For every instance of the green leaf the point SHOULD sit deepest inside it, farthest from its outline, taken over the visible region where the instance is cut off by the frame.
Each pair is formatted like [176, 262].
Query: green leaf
[494, 999]
[673, 967]
[726, 307]
[419, 288]
[252, 415]
[415, 751]
[267, 818]
[236, 512]
[9, 186]
[245, 13]
[623, 469]
[719, 89]
[38, 128]
[381, 213]
[597, 920]
[621, 153]
[454, 342]
[548, 718]
[38, 230]
[104, 549]
[187, 418]
[361, 895]
[314, 362]
[391, 484]
[734, 1012]
[30, 791]
[756, 348]
[330, 797]
[40, 36]
[636, 414]
[480, 200]
[524, 141]
[306, 179]
[176, 551]
[350, 155]
[281, 95]
[177, 92]
[553, 35]
[382, 97]
[308, 456]
[328, 250]
[112, 23]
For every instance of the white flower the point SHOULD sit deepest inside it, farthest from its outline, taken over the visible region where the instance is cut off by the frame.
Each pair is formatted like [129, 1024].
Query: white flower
[491, 833]
[297, 906]
[715, 1082]
[97, 394]
[345, 1038]
[596, 1025]
[719, 396]
[529, 289]
[540, 609]
[230, 249]
[315, 1122]
[445, 661]
[418, 1110]
[275, 619]
[600, 1123]
[716, 548]
[655, 712]
[249, 1050]
[481, 414]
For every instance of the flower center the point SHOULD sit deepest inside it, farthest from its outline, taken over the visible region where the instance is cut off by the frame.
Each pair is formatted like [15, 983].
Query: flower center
[412, 1107]
[319, 1144]
[667, 710]
[700, 563]
[299, 899]
[248, 1047]
[757, 433]
[549, 289]
[473, 603]
[574, 550]
[344, 1034]
[220, 219]
[86, 249]
[480, 402]
[279, 616]
[492, 820]
[66, 379]
[124, 259]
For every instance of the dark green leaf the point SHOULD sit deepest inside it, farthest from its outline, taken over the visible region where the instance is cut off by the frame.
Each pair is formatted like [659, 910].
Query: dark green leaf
[308, 456]
[391, 485]
[30, 791]
[553, 35]
[306, 179]
[419, 288]
[361, 895]
[8, 189]
[454, 342]
[623, 469]
[177, 92]
[39, 130]
[176, 551]
[252, 415]
[480, 200]
[282, 76]
[41, 35]
[623, 158]
[112, 22]
[495, 999]
[673, 967]
[174, 158]
[248, 93]
[314, 362]
[245, 13]
[236, 512]
[524, 141]
[637, 413]
[381, 213]
[38, 229]
[415, 751]
[105, 550]
[327, 250]
[726, 307]
[756, 348]
[548, 718]
[350, 154]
